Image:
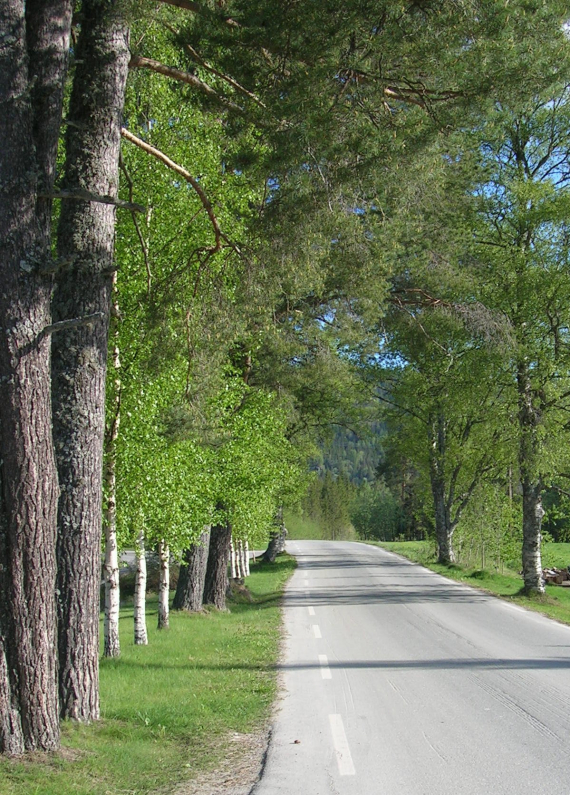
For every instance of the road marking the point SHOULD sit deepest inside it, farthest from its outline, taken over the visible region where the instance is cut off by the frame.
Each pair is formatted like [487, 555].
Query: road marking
[305, 583]
[325, 670]
[317, 631]
[341, 748]
[311, 610]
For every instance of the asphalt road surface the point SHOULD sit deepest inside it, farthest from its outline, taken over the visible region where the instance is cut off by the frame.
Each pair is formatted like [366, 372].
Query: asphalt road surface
[397, 680]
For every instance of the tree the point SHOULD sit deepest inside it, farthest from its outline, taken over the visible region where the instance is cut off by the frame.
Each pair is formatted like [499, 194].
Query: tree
[83, 292]
[33, 63]
[522, 250]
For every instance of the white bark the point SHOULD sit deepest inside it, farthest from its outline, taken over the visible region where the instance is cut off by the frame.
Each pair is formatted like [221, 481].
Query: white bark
[112, 592]
[141, 637]
[233, 560]
[163, 585]
[239, 560]
[245, 547]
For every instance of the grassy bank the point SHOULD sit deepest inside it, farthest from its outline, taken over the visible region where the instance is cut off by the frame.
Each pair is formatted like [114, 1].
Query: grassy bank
[169, 709]
[555, 603]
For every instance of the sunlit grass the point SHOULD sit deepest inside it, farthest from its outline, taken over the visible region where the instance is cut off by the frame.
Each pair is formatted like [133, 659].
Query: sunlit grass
[168, 708]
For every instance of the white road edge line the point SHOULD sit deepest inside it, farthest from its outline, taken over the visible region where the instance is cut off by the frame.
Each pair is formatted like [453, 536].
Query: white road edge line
[311, 610]
[325, 670]
[317, 631]
[341, 749]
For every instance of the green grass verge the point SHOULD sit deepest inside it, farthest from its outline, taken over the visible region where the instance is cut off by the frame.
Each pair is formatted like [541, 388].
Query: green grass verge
[555, 603]
[169, 708]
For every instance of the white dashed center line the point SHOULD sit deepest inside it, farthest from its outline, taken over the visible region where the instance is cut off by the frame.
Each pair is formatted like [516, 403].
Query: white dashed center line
[341, 749]
[317, 631]
[311, 610]
[325, 670]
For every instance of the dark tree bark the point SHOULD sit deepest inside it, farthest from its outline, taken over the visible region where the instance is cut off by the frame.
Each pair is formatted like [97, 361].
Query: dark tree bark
[217, 581]
[444, 527]
[85, 243]
[277, 538]
[33, 59]
[192, 578]
[529, 418]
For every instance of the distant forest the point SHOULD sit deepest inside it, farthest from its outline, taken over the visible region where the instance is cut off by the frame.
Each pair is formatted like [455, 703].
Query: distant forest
[351, 456]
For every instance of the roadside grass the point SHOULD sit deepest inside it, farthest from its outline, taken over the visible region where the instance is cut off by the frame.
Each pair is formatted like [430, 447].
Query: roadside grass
[170, 708]
[555, 603]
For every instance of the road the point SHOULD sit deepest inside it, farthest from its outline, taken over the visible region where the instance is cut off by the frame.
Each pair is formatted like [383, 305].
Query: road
[397, 680]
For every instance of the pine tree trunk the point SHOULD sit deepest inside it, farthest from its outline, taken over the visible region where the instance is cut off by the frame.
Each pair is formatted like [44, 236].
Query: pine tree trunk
[33, 61]
[190, 589]
[83, 289]
[163, 584]
[141, 637]
[529, 419]
[216, 584]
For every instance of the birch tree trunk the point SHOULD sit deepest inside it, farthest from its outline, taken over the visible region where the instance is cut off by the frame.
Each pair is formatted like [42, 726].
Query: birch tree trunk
[234, 562]
[245, 549]
[33, 61]
[112, 647]
[216, 584]
[163, 585]
[240, 567]
[529, 418]
[190, 589]
[141, 637]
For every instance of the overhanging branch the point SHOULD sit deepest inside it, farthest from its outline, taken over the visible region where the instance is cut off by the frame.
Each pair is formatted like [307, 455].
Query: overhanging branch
[152, 150]
[139, 62]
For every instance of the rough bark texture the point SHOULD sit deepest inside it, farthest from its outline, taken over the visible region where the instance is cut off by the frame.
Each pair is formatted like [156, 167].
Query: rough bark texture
[277, 538]
[444, 527]
[163, 585]
[141, 637]
[190, 588]
[529, 419]
[86, 243]
[216, 584]
[33, 57]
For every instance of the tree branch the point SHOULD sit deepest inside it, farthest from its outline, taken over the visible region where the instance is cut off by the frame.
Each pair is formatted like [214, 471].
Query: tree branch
[209, 68]
[139, 62]
[151, 150]
[84, 196]
[63, 325]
